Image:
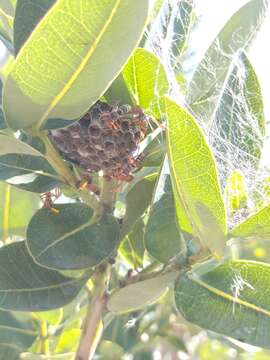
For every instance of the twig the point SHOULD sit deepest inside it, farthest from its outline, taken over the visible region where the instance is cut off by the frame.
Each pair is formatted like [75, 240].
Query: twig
[93, 323]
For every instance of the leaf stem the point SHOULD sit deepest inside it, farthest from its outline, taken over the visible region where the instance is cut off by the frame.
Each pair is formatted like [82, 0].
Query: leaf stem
[93, 323]
[56, 161]
[93, 202]
[44, 341]
[108, 194]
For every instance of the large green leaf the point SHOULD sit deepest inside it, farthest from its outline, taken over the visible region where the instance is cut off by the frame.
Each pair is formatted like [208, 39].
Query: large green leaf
[239, 120]
[10, 352]
[257, 225]
[138, 295]
[163, 239]
[231, 299]
[15, 164]
[17, 329]
[67, 240]
[137, 201]
[195, 180]
[26, 286]
[36, 184]
[145, 78]
[210, 74]
[118, 92]
[68, 341]
[27, 16]
[8, 6]
[132, 247]
[88, 42]
[10, 145]
[16, 209]
[31, 173]
[29, 166]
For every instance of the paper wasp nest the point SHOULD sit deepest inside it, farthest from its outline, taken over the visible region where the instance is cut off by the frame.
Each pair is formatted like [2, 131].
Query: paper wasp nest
[106, 138]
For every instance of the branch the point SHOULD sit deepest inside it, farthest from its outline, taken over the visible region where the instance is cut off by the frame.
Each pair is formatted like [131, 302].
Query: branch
[93, 326]
[93, 323]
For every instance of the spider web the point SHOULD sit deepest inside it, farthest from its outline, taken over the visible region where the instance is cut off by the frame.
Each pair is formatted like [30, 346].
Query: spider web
[230, 111]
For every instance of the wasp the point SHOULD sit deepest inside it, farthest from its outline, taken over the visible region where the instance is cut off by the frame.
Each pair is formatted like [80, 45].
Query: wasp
[49, 197]
[87, 184]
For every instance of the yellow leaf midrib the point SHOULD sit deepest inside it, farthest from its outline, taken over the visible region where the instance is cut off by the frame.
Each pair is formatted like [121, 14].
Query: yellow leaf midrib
[81, 67]
[230, 298]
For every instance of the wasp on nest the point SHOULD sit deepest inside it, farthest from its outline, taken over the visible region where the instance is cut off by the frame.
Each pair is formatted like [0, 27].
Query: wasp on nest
[105, 139]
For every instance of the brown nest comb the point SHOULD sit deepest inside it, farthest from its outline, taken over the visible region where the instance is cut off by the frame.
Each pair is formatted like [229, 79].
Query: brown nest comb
[105, 139]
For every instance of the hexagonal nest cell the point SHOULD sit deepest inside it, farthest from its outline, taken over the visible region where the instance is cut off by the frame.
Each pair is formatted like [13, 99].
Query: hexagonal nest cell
[106, 138]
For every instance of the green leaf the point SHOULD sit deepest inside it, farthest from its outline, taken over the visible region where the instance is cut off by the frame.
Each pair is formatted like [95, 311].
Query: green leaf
[137, 202]
[27, 172]
[236, 191]
[195, 180]
[135, 296]
[10, 352]
[163, 239]
[155, 150]
[58, 123]
[68, 240]
[110, 351]
[257, 225]
[239, 121]
[145, 78]
[16, 329]
[68, 341]
[26, 286]
[35, 183]
[237, 34]
[15, 165]
[58, 84]
[6, 26]
[10, 145]
[8, 6]
[53, 317]
[2, 120]
[27, 16]
[18, 207]
[230, 299]
[118, 92]
[132, 247]
[119, 331]
[27, 167]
